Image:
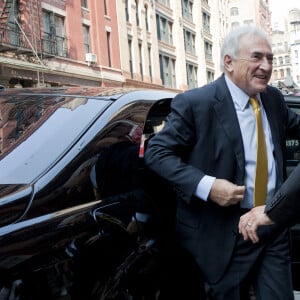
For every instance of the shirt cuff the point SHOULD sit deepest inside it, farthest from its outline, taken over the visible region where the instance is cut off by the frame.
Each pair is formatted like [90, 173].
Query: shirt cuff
[204, 187]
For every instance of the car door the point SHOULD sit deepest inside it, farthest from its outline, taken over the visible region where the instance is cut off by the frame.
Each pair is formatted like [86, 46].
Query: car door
[293, 159]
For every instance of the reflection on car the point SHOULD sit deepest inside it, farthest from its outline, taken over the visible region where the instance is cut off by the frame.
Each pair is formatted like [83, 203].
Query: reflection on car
[293, 158]
[50, 141]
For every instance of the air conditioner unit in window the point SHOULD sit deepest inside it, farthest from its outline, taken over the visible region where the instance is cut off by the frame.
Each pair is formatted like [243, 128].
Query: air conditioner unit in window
[90, 58]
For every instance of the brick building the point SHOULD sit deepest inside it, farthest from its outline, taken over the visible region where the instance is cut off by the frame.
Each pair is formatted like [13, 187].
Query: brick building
[59, 42]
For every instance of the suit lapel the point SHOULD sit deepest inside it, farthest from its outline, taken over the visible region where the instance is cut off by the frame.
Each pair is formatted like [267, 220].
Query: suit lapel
[226, 113]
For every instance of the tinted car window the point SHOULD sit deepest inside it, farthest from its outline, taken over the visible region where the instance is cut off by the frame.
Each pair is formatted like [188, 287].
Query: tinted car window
[293, 158]
[72, 185]
[293, 145]
[48, 136]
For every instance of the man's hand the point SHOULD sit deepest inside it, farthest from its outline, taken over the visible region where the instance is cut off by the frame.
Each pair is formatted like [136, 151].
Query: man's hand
[225, 193]
[250, 221]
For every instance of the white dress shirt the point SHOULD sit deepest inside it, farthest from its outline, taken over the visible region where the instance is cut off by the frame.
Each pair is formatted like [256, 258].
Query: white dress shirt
[247, 123]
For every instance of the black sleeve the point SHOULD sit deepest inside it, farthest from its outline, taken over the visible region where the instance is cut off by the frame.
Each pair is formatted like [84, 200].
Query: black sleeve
[284, 209]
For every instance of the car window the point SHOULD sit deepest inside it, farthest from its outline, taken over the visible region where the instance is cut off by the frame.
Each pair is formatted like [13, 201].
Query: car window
[73, 184]
[49, 137]
[293, 145]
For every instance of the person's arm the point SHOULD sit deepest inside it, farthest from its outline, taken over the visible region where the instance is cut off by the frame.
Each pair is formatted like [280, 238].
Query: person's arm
[250, 221]
[221, 191]
[283, 209]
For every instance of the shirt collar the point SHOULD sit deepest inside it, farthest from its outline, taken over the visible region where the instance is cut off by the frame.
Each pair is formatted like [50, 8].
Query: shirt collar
[239, 97]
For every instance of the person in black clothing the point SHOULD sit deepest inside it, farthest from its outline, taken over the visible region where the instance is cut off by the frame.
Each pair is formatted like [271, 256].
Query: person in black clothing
[283, 210]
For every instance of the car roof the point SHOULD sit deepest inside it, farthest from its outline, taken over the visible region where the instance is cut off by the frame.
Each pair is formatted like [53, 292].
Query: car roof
[111, 93]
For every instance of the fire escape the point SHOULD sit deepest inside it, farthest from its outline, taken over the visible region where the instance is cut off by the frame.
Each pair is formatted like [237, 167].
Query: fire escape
[16, 41]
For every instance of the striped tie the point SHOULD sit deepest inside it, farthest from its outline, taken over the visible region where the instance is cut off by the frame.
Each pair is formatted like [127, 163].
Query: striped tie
[261, 174]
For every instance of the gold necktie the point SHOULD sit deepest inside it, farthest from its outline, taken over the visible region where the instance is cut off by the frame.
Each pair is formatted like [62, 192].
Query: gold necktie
[261, 174]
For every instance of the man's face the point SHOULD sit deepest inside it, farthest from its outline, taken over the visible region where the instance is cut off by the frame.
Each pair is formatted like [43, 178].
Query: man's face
[252, 69]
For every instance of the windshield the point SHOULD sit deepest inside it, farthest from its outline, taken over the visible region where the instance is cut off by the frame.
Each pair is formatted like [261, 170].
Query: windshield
[38, 139]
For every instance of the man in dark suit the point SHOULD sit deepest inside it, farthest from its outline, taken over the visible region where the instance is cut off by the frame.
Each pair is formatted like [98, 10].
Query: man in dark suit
[207, 152]
[283, 210]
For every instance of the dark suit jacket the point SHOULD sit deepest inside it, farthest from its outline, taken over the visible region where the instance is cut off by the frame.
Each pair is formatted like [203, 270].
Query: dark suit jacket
[284, 209]
[202, 136]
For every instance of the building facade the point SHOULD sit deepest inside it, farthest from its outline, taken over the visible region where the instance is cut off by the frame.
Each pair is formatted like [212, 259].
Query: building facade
[294, 41]
[172, 44]
[59, 42]
[282, 65]
[167, 43]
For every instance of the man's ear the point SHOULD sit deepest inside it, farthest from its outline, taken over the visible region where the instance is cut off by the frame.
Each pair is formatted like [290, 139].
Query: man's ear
[228, 63]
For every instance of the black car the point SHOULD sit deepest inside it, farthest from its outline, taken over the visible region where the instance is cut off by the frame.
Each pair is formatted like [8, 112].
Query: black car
[51, 207]
[68, 191]
[293, 158]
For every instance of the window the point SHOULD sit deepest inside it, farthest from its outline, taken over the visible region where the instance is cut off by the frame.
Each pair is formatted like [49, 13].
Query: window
[280, 58]
[54, 40]
[108, 48]
[287, 59]
[235, 25]
[208, 50]
[146, 17]
[105, 7]
[191, 72]
[141, 60]
[292, 144]
[280, 47]
[126, 11]
[189, 41]
[286, 46]
[281, 73]
[295, 27]
[84, 3]
[130, 56]
[14, 32]
[164, 29]
[206, 22]
[210, 76]
[167, 70]
[86, 39]
[187, 9]
[150, 62]
[234, 11]
[137, 13]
